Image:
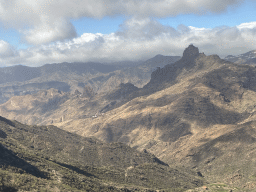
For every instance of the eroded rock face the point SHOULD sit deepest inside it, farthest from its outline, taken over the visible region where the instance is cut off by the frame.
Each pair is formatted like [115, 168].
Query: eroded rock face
[191, 51]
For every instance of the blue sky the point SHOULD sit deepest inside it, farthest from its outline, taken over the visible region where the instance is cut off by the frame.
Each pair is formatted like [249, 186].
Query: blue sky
[51, 31]
[233, 16]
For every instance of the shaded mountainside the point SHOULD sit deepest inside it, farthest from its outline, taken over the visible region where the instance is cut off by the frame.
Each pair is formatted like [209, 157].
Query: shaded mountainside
[69, 77]
[48, 158]
[191, 63]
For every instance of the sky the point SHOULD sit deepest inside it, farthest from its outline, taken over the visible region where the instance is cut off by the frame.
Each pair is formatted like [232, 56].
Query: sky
[36, 32]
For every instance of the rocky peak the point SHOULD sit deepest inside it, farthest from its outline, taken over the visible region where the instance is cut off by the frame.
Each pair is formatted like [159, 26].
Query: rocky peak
[191, 51]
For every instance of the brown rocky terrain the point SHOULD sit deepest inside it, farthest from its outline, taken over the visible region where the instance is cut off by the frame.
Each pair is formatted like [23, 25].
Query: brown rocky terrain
[198, 112]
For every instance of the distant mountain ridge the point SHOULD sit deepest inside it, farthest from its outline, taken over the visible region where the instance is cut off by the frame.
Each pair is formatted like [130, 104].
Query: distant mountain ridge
[23, 73]
[245, 58]
[69, 77]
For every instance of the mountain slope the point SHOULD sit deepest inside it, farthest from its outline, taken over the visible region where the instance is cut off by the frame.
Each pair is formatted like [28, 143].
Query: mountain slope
[49, 158]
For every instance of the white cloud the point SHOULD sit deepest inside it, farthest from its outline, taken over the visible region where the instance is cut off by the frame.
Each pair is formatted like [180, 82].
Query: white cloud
[46, 33]
[250, 25]
[6, 50]
[101, 8]
[44, 21]
[137, 39]
[144, 29]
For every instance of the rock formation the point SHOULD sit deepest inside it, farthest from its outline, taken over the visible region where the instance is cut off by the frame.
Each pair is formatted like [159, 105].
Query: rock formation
[191, 51]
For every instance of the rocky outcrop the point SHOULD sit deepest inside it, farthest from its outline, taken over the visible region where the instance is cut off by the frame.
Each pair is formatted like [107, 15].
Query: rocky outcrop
[191, 51]
[170, 72]
[191, 62]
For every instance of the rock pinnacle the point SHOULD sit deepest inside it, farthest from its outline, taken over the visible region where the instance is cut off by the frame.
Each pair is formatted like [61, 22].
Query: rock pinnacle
[191, 51]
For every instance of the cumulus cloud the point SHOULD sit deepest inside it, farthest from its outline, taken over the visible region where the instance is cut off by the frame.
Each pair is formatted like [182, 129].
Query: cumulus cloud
[101, 8]
[135, 40]
[250, 25]
[46, 33]
[6, 50]
[144, 29]
[44, 21]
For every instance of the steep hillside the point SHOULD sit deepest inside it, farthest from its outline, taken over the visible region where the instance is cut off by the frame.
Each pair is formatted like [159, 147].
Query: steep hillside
[48, 158]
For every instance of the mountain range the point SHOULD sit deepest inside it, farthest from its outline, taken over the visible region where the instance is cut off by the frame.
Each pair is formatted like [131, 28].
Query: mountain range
[69, 77]
[245, 58]
[197, 113]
